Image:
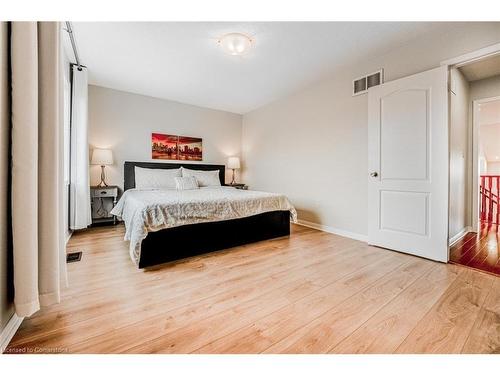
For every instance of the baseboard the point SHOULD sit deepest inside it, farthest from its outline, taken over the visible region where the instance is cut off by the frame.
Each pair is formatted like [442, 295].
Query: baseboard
[9, 331]
[361, 237]
[459, 235]
[340, 232]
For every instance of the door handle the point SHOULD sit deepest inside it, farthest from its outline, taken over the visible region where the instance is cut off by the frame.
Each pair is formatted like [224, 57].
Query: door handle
[374, 174]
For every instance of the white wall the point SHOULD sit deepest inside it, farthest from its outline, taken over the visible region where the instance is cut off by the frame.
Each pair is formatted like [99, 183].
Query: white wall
[124, 122]
[493, 168]
[312, 146]
[459, 217]
[485, 88]
[483, 163]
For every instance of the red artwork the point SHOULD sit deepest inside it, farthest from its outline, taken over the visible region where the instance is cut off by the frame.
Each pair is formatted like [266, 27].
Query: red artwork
[174, 147]
[189, 148]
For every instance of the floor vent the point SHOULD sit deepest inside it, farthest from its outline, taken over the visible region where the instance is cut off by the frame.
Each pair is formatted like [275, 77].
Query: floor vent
[74, 257]
[362, 84]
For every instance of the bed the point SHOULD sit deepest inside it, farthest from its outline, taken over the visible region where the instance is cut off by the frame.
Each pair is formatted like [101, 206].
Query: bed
[163, 225]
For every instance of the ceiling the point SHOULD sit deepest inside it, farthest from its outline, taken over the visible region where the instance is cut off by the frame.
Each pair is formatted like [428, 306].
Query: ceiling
[482, 69]
[489, 121]
[182, 61]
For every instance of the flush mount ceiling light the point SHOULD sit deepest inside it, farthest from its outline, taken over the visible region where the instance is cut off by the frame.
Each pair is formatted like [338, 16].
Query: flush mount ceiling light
[235, 44]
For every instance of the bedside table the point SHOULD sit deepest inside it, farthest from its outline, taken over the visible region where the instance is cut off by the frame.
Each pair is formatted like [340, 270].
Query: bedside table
[239, 186]
[102, 200]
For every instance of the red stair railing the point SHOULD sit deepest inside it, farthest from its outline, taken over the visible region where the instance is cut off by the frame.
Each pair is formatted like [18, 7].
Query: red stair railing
[489, 191]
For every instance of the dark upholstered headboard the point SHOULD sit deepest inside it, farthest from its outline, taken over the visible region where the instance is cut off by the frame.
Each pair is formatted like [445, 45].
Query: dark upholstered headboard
[129, 171]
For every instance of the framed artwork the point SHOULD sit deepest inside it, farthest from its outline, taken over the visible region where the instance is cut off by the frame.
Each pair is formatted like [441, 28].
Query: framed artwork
[189, 148]
[175, 147]
[164, 146]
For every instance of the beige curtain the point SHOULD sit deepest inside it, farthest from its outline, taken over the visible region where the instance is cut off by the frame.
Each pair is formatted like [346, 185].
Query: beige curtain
[37, 165]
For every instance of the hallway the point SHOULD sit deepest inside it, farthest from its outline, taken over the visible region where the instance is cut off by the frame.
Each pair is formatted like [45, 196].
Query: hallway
[479, 250]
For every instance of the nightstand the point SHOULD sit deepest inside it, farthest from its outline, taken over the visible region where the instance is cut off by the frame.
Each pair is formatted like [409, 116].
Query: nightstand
[103, 199]
[239, 186]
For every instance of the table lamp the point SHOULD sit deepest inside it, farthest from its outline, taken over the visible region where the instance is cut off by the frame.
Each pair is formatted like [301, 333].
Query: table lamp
[102, 157]
[233, 163]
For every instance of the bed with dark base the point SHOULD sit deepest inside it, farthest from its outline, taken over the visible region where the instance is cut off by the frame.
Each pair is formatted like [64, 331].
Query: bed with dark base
[195, 239]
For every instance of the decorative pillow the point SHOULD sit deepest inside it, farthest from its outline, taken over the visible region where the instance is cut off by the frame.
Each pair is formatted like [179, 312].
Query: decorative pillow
[186, 183]
[204, 178]
[148, 178]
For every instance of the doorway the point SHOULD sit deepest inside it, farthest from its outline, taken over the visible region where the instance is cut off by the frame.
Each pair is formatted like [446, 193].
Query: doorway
[477, 245]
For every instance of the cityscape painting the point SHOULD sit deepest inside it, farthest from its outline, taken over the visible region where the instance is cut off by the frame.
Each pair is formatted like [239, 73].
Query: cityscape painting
[175, 147]
[189, 148]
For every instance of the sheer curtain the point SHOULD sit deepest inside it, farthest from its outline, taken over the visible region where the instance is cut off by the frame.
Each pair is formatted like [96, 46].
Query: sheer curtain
[37, 167]
[80, 214]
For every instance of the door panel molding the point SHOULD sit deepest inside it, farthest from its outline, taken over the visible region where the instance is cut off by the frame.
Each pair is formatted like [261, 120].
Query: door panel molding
[424, 154]
[420, 211]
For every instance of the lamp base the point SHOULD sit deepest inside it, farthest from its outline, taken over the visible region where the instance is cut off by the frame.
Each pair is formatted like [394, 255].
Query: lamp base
[103, 178]
[233, 181]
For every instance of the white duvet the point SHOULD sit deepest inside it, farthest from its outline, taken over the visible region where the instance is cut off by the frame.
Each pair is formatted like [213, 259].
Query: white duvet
[146, 211]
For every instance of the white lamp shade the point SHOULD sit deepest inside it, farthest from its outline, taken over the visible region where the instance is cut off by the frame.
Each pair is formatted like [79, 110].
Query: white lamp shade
[102, 156]
[233, 163]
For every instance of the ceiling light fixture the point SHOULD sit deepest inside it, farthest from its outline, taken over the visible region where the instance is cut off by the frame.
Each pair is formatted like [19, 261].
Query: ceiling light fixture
[235, 44]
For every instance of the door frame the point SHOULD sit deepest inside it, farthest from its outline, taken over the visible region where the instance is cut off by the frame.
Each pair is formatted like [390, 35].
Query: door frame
[475, 159]
[473, 181]
[474, 56]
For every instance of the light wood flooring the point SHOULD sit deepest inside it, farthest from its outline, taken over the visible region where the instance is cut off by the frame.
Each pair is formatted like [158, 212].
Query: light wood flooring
[313, 292]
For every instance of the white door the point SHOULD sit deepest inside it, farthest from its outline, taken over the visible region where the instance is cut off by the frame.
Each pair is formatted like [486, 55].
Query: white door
[408, 165]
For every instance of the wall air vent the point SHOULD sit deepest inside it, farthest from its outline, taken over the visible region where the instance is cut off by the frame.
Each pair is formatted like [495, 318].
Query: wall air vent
[362, 84]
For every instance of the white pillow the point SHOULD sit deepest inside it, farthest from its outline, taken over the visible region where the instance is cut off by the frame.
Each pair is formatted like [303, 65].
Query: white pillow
[186, 183]
[148, 178]
[204, 178]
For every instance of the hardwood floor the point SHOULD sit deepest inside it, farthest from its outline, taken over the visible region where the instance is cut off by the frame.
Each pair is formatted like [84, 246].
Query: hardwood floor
[479, 250]
[313, 292]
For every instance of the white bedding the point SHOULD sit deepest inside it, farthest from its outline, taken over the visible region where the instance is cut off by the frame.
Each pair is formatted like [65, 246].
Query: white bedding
[146, 211]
